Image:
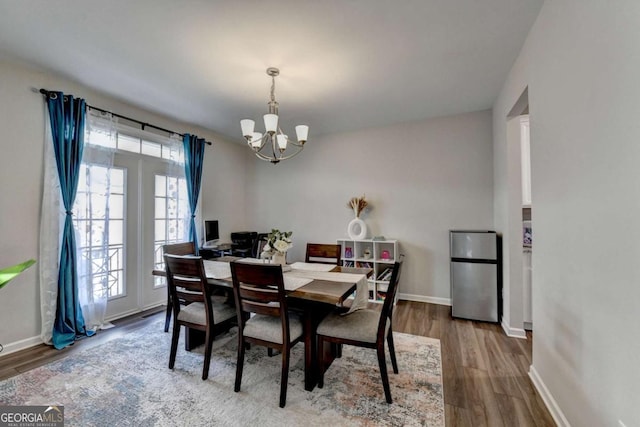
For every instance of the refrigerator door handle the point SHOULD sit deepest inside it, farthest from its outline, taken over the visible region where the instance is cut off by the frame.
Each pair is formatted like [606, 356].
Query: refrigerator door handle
[475, 260]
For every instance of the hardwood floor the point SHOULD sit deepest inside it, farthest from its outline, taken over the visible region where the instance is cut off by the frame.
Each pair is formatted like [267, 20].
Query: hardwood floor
[484, 371]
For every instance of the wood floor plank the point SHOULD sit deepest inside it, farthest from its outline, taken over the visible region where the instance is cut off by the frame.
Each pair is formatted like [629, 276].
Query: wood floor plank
[514, 411]
[456, 417]
[482, 400]
[471, 353]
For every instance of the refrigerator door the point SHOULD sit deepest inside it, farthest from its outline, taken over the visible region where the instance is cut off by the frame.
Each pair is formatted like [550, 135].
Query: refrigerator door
[474, 245]
[474, 291]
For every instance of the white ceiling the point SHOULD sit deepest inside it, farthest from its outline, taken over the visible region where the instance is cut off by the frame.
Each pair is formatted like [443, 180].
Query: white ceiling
[345, 64]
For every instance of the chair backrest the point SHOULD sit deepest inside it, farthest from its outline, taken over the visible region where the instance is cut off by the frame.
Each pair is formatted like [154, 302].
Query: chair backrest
[187, 282]
[260, 289]
[323, 253]
[244, 239]
[186, 248]
[260, 243]
[387, 307]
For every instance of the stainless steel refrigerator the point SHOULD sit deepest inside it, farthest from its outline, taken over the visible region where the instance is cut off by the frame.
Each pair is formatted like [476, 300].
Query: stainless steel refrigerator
[476, 275]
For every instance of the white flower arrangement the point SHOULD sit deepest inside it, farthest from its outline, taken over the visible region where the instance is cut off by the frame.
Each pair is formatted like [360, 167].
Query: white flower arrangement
[277, 241]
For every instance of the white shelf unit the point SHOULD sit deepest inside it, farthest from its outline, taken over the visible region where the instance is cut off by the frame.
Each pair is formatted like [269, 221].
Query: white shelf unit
[382, 255]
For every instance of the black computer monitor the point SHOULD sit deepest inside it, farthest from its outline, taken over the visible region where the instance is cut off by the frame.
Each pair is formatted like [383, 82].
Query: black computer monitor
[211, 230]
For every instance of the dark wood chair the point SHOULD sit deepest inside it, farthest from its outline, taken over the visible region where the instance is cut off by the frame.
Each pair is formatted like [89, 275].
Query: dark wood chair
[259, 289]
[364, 328]
[186, 248]
[193, 306]
[323, 253]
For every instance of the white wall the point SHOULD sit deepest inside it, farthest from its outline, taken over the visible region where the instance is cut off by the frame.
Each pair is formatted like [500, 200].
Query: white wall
[580, 63]
[22, 115]
[422, 178]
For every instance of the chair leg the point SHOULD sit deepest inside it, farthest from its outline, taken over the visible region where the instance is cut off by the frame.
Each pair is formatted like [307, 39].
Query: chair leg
[320, 361]
[207, 353]
[240, 363]
[392, 351]
[285, 376]
[167, 320]
[174, 344]
[383, 372]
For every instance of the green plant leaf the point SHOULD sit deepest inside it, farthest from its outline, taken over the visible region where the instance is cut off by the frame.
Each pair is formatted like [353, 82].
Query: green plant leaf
[9, 273]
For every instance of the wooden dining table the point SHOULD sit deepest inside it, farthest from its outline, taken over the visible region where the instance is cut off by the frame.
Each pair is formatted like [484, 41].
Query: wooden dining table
[314, 300]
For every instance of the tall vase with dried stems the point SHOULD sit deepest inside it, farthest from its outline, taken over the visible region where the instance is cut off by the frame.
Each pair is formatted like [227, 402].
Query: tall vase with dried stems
[357, 229]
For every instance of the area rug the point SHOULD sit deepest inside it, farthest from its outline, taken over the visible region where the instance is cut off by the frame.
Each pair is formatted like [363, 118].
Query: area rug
[126, 382]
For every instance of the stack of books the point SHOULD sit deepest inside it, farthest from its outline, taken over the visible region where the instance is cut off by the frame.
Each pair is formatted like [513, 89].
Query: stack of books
[385, 275]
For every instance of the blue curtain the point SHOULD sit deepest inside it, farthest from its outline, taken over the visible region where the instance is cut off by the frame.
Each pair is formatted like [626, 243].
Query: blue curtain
[67, 116]
[193, 160]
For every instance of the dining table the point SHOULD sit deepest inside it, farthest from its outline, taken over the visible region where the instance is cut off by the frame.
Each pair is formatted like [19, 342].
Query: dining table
[314, 290]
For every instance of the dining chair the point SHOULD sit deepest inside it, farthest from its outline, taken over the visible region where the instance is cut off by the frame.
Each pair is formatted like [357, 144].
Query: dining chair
[259, 289]
[193, 306]
[186, 248]
[323, 253]
[364, 328]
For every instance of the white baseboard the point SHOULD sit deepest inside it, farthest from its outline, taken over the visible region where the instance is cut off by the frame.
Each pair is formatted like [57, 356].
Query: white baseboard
[513, 332]
[552, 405]
[20, 345]
[422, 298]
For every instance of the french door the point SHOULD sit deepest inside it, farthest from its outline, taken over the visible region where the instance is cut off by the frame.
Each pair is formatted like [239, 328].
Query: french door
[149, 215]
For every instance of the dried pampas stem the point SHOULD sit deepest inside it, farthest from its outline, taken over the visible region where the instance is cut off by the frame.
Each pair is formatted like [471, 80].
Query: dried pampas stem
[358, 204]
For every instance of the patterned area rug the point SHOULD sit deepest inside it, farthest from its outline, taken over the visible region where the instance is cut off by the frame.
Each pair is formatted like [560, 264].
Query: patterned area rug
[126, 382]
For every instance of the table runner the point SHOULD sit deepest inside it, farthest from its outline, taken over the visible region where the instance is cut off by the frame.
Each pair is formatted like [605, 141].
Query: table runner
[308, 266]
[222, 270]
[361, 298]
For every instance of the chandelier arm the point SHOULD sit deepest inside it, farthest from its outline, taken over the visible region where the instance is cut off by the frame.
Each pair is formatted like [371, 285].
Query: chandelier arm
[290, 155]
[265, 158]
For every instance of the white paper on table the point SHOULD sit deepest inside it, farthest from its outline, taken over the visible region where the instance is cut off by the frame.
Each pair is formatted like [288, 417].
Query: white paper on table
[361, 298]
[308, 266]
[217, 269]
[254, 261]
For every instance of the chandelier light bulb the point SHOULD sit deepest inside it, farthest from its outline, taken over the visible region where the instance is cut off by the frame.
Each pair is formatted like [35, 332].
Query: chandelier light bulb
[247, 126]
[282, 142]
[302, 132]
[271, 122]
[256, 140]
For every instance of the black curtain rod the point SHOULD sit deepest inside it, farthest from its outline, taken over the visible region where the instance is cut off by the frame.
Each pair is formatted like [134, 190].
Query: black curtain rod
[142, 124]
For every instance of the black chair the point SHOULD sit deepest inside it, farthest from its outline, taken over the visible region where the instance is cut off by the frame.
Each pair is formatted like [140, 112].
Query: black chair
[259, 289]
[364, 328]
[242, 243]
[261, 241]
[193, 305]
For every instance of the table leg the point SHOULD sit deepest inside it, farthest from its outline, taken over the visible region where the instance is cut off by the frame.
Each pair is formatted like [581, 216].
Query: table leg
[193, 338]
[312, 315]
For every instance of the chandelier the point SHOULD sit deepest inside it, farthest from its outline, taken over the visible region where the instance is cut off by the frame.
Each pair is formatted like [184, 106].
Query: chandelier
[271, 145]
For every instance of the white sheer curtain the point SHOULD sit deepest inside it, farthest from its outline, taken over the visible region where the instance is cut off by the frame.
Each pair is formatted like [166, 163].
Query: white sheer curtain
[91, 212]
[179, 200]
[92, 239]
[51, 223]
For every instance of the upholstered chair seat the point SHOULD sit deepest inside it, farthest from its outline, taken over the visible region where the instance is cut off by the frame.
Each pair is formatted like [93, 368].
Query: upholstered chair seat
[269, 328]
[196, 313]
[361, 325]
